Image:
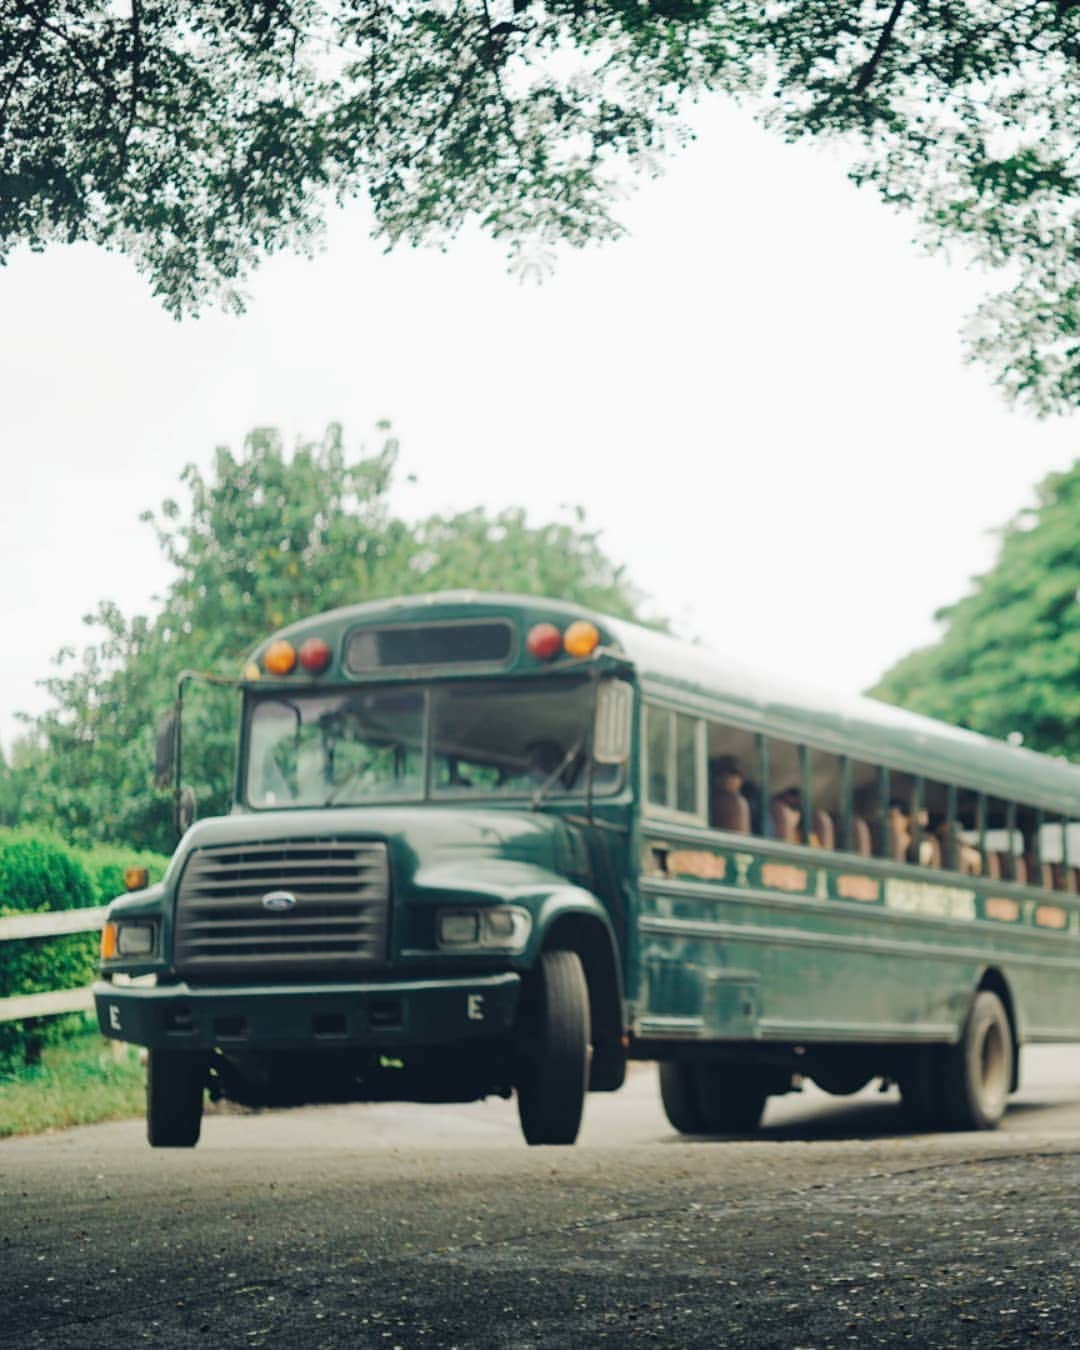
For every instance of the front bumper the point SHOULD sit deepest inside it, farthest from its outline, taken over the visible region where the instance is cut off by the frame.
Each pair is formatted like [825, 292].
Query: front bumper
[379, 1016]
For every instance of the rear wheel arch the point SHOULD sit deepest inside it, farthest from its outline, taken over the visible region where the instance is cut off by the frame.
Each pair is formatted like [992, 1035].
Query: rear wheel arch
[995, 982]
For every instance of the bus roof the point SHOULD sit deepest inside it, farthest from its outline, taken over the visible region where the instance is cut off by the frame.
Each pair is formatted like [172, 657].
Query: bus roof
[729, 689]
[864, 728]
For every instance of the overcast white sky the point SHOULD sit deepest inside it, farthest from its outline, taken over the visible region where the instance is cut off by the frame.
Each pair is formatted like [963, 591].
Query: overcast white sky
[758, 397]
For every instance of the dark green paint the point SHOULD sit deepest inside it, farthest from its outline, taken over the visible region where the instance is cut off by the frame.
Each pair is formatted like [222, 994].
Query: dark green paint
[738, 960]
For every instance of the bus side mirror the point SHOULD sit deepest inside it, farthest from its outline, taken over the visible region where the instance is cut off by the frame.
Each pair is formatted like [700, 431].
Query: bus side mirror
[165, 751]
[611, 738]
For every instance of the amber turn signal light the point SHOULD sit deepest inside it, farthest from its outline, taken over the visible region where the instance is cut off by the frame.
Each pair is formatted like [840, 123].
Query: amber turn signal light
[582, 638]
[108, 942]
[280, 657]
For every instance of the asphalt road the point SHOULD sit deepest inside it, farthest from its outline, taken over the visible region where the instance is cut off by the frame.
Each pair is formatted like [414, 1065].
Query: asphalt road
[417, 1226]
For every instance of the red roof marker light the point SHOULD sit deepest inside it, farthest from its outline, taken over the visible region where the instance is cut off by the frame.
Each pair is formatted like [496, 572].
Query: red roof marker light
[315, 655]
[544, 641]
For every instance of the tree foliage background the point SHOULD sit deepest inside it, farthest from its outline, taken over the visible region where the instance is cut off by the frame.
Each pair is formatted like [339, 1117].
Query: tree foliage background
[267, 538]
[1009, 658]
[198, 135]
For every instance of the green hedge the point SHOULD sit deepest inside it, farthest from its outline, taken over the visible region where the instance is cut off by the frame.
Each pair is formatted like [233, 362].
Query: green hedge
[39, 873]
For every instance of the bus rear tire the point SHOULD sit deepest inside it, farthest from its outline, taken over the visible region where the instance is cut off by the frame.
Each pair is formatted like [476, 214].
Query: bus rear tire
[175, 1085]
[978, 1070]
[731, 1100]
[679, 1095]
[555, 1070]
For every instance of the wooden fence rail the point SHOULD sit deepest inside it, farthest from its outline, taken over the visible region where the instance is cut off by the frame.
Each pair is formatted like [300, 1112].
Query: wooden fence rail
[53, 924]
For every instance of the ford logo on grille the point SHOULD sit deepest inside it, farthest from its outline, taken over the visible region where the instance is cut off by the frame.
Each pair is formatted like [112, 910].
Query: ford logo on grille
[279, 901]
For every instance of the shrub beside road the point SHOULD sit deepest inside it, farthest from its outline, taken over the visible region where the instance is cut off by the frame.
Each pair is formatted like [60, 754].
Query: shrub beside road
[40, 874]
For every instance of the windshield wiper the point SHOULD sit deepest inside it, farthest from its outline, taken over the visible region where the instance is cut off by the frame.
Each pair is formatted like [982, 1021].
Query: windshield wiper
[557, 772]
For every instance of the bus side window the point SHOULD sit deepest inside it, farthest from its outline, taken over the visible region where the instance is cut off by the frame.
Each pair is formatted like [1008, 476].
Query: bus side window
[1053, 845]
[965, 835]
[866, 812]
[784, 820]
[999, 853]
[658, 728]
[934, 825]
[1039, 872]
[732, 756]
[674, 770]
[899, 822]
[826, 791]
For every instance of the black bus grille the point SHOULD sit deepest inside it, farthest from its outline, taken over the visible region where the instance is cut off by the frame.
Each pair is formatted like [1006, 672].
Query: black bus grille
[334, 913]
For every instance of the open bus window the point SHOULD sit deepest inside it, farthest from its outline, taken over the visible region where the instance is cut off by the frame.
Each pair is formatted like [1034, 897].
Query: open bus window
[826, 797]
[962, 850]
[785, 812]
[1059, 848]
[336, 749]
[932, 823]
[734, 793]
[1004, 844]
[867, 809]
[901, 815]
[509, 739]
[1038, 871]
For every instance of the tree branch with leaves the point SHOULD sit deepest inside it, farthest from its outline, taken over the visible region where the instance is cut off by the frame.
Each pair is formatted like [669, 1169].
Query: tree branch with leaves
[198, 137]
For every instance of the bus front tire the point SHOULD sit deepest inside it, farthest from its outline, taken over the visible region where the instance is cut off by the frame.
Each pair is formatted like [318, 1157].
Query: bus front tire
[555, 1070]
[978, 1070]
[175, 1084]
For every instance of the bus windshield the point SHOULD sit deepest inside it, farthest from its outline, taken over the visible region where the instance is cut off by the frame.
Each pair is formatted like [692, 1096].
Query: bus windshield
[528, 739]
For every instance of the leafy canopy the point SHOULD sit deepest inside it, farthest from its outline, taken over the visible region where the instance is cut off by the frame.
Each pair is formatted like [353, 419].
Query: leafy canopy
[263, 540]
[1008, 661]
[198, 135]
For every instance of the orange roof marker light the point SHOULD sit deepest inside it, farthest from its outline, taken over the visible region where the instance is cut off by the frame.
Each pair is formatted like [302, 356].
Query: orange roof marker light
[544, 641]
[280, 658]
[582, 638]
[315, 655]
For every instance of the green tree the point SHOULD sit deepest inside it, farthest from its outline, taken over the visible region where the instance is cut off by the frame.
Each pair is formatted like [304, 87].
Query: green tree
[9, 793]
[267, 538]
[198, 136]
[1008, 661]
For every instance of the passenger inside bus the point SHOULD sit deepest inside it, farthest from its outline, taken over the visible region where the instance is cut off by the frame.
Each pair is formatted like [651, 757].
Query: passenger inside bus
[898, 824]
[928, 853]
[824, 831]
[956, 852]
[728, 807]
[861, 838]
[785, 811]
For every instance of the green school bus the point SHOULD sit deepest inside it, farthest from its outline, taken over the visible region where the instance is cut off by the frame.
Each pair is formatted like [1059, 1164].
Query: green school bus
[494, 844]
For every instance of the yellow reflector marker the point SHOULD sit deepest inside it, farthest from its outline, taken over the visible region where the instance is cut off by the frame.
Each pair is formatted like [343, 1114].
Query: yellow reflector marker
[252, 671]
[581, 638]
[108, 942]
[136, 878]
[280, 657]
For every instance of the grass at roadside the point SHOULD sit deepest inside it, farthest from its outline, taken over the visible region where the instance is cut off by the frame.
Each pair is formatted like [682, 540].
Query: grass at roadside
[77, 1083]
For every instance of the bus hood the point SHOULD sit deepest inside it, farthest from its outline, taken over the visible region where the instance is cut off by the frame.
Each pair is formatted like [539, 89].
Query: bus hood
[436, 853]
